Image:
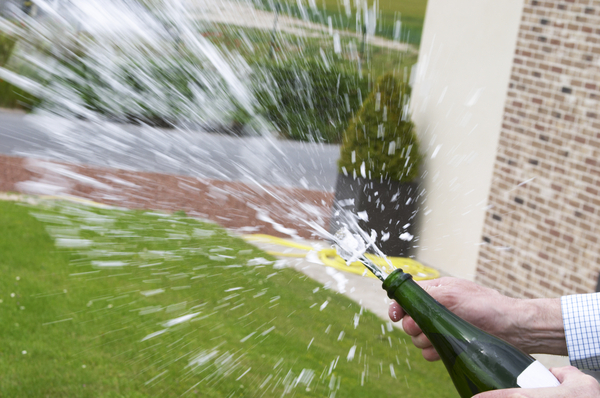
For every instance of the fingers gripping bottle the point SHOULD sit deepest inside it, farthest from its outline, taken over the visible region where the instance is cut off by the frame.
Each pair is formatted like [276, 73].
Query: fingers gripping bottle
[476, 360]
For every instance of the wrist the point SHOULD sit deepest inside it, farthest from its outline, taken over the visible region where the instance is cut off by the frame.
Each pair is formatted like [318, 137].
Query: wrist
[539, 326]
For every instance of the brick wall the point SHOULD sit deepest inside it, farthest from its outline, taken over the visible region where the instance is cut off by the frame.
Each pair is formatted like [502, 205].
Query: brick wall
[541, 236]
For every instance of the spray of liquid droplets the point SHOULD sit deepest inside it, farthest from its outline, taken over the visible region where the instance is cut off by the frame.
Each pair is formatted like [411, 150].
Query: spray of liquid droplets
[106, 74]
[110, 75]
[352, 242]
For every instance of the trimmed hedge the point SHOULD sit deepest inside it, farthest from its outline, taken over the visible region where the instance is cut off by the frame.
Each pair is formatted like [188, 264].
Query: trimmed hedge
[305, 101]
[309, 102]
[129, 93]
[11, 96]
[380, 142]
[7, 44]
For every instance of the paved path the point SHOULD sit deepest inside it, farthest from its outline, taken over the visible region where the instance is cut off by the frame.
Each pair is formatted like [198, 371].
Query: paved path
[363, 290]
[189, 153]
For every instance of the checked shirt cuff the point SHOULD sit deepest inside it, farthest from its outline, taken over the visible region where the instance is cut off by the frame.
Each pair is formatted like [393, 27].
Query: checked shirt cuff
[581, 319]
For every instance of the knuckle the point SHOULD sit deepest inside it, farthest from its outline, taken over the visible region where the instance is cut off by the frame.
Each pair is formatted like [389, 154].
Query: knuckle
[590, 383]
[421, 341]
[430, 355]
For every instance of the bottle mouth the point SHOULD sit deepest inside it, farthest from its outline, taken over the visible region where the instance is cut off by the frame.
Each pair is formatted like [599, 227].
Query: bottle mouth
[394, 280]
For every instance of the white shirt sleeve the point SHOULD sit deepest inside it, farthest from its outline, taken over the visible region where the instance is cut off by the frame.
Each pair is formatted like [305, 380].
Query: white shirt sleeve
[581, 319]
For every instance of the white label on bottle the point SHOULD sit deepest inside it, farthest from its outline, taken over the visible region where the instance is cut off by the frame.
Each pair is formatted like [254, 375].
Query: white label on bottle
[537, 376]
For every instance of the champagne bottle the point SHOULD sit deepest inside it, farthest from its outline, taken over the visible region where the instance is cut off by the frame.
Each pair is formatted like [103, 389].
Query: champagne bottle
[476, 360]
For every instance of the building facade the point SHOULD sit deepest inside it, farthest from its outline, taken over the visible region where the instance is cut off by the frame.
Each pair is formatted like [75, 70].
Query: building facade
[542, 228]
[522, 139]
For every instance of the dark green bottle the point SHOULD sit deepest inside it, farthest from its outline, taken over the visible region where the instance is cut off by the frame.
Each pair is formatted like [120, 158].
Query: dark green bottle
[476, 360]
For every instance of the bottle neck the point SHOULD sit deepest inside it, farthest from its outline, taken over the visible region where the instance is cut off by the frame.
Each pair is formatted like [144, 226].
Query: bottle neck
[424, 309]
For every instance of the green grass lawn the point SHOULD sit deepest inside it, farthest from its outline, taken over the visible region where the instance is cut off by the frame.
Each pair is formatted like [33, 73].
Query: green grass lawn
[410, 12]
[117, 303]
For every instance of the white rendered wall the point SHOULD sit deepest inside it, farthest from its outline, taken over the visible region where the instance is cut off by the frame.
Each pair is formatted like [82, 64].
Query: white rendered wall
[459, 91]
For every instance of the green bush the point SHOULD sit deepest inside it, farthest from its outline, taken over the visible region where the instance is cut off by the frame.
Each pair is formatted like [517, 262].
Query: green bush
[7, 44]
[156, 91]
[309, 102]
[303, 100]
[11, 96]
[380, 141]
[14, 97]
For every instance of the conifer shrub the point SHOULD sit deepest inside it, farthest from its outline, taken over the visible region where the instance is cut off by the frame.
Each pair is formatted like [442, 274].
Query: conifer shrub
[380, 142]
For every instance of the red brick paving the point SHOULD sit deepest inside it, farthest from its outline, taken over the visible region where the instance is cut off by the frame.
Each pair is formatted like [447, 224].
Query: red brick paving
[233, 205]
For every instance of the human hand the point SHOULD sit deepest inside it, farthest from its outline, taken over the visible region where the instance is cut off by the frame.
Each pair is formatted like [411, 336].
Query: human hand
[573, 383]
[535, 326]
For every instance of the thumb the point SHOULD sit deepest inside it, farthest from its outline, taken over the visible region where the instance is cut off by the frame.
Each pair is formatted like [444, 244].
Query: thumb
[430, 283]
[565, 374]
[434, 287]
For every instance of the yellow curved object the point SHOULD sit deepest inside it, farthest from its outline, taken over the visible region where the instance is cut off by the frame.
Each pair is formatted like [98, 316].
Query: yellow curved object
[330, 258]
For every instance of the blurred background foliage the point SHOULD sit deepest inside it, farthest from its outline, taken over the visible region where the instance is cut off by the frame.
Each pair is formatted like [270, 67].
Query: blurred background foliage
[303, 89]
[11, 96]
